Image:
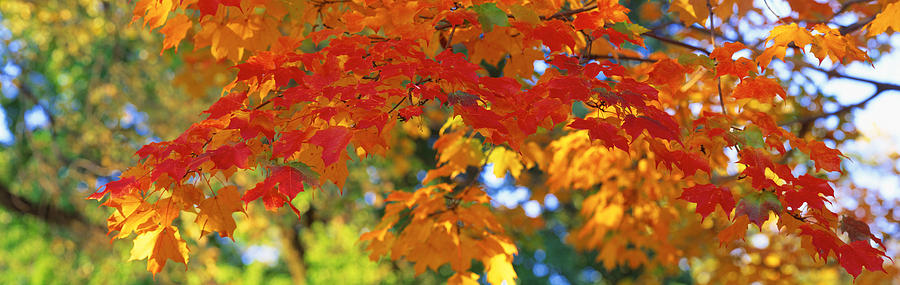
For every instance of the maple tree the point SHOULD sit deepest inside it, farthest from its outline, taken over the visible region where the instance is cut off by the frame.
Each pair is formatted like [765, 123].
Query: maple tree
[634, 139]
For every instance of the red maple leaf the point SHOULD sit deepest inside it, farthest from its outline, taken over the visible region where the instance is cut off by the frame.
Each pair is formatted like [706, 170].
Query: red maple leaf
[227, 156]
[409, 112]
[644, 89]
[634, 126]
[455, 68]
[289, 181]
[824, 242]
[825, 157]
[600, 130]
[256, 123]
[689, 163]
[210, 7]
[289, 143]
[725, 65]
[333, 141]
[555, 34]
[459, 16]
[295, 95]
[569, 88]
[760, 88]
[668, 72]
[174, 168]
[116, 188]
[270, 65]
[726, 51]
[227, 104]
[152, 148]
[756, 163]
[859, 254]
[707, 196]
[616, 37]
[812, 192]
[479, 117]
[589, 21]
[570, 64]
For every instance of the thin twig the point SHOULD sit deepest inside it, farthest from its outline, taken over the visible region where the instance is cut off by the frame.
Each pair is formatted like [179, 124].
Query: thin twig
[450, 38]
[770, 10]
[397, 105]
[831, 73]
[712, 39]
[618, 57]
[855, 26]
[565, 14]
[587, 48]
[561, 15]
[677, 43]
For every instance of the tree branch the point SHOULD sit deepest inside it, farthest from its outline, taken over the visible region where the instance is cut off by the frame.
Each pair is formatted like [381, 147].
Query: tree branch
[561, 15]
[44, 211]
[618, 57]
[855, 26]
[676, 42]
[566, 13]
[880, 88]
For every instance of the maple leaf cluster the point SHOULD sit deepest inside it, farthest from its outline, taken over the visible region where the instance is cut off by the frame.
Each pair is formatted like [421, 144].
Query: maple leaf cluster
[307, 98]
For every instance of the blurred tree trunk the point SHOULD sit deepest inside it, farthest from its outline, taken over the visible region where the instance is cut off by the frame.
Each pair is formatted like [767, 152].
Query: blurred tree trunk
[293, 249]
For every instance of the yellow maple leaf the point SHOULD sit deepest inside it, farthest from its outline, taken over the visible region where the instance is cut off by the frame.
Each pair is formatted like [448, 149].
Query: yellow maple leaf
[505, 160]
[223, 42]
[154, 12]
[464, 278]
[215, 212]
[456, 152]
[499, 268]
[131, 223]
[837, 47]
[159, 246]
[765, 58]
[175, 30]
[187, 195]
[826, 42]
[735, 231]
[888, 18]
[690, 11]
[785, 34]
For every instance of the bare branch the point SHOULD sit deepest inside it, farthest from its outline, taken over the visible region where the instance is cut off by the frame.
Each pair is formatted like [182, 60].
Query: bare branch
[565, 14]
[676, 42]
[618, 57]
[44, 211]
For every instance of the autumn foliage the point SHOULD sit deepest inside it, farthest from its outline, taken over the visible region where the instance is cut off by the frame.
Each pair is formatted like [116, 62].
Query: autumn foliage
[646, 137]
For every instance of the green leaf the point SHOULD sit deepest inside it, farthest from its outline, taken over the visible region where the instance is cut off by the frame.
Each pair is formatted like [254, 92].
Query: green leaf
[580, 110]
[629, 28]
[757, 206]
[752, 136]
[696, 59]
[489, 15]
